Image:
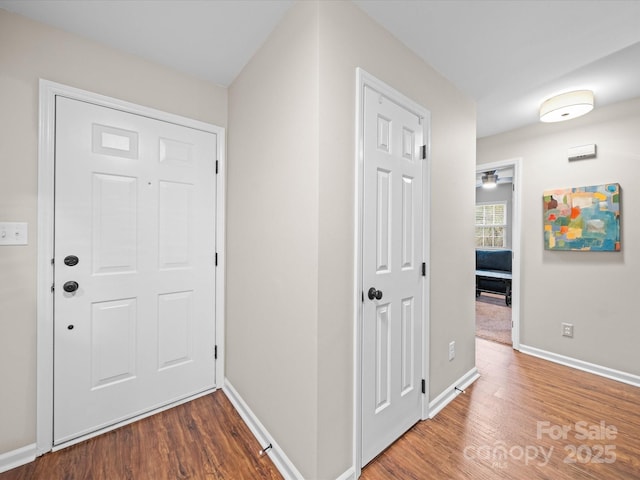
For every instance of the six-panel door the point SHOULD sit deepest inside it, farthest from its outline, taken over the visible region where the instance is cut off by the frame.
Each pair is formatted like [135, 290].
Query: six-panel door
[392, 260]
[135, 203]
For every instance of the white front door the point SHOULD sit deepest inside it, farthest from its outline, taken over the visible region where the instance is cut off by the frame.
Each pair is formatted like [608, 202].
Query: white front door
[392, 256]
[135, 216]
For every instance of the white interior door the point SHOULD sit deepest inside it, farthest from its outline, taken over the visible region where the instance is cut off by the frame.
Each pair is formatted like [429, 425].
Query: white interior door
[392, 256]
[135, 216]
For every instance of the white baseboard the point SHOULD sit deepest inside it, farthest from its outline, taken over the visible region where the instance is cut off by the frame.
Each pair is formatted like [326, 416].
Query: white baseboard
[348, 475]
[451, 392]
[606, 372]
[277, 455]
[18, 457]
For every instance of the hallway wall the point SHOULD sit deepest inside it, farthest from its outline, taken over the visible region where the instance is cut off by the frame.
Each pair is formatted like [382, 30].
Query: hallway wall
[30, 51]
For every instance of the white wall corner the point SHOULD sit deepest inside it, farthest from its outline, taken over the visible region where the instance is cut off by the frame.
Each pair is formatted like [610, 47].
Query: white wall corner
[277, 455]
[18, 457]
[452, 391]
[606, 372]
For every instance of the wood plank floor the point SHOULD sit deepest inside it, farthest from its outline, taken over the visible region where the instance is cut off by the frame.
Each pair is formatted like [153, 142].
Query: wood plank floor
[489, 432]
[492, 432]
[202, 439]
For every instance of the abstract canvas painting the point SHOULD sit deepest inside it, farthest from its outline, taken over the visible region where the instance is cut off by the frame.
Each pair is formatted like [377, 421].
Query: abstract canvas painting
[582, 218]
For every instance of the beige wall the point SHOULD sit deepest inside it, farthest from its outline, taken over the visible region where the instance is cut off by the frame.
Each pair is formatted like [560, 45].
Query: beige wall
[350, 39]
[291, 185]
[272, 236]
[29, 51]
[593, 290]
[291, 179]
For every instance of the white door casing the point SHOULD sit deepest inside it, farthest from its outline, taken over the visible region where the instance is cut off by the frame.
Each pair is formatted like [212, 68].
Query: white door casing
[134, 203]
[516, 229]
[393, 250]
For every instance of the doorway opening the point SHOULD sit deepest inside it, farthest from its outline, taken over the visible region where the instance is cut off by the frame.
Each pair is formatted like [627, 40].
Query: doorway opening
[497, 242]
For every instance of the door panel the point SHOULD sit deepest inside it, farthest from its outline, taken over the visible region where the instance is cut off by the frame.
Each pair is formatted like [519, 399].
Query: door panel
[383, 357]
[135, 201]
[392, 256]
[175, 329]
[383, 221]
[408, 220]
[407, 346]
[113, 342]
[176, 225]
[115, 224]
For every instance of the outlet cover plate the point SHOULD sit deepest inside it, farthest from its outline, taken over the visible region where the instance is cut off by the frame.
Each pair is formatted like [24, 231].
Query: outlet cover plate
[13, 233]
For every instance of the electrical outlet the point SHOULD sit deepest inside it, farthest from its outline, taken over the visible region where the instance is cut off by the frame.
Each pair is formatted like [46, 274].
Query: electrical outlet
[452, 350]
[567, 330]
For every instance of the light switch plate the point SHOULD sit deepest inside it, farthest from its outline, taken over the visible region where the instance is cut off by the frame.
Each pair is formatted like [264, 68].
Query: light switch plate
[14, 233]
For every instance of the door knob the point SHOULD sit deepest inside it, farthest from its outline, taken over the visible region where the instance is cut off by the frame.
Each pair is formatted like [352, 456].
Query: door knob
[374, 294]
[70, 287]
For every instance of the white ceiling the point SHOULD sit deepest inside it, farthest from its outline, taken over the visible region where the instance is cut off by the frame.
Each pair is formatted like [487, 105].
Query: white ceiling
[508, 55]
[211, 39]
[511, 55]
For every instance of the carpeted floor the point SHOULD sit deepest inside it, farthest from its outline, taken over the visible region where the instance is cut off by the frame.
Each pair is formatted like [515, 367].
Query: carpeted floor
[493, 318]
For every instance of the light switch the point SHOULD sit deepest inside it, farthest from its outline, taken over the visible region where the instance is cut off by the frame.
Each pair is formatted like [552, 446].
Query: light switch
[14, 233]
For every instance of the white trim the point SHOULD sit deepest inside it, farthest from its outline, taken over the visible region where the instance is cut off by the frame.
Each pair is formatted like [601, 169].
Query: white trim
[221, 208]
[44, 367]
[44, 355]
[516, 236]
[451, 392]
[426, 245]
[277, 455]
[357, 273]
[365, 79]
[610, 373]
[348, 475]
[18, 457]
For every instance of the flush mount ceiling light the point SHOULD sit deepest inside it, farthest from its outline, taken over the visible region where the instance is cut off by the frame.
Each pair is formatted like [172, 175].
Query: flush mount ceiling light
[489, 179]
[566, 106]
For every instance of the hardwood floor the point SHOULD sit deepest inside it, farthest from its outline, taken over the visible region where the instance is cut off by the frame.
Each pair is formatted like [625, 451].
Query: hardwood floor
[202, 439]
[507, 425]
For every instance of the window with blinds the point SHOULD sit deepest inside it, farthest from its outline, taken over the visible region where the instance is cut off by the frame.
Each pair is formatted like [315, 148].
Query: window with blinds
[491, 223]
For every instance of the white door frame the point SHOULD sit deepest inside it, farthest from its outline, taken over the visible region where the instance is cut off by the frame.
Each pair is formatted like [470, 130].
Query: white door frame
[516, 230]
[46, 169]
[365, 79]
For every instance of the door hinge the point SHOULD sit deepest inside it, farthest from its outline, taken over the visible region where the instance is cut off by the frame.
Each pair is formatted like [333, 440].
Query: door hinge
[217, 162]
[216, 261]
[363, 296]
[423, 152]
[424, 269]
[424, 386]
[53, 287]
[215, 352]
[53, 261]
